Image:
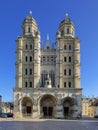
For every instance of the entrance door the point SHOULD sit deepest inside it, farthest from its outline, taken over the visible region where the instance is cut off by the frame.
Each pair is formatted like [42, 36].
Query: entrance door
[50, 111]
[66, 111]
[47, 111]
[28, 110]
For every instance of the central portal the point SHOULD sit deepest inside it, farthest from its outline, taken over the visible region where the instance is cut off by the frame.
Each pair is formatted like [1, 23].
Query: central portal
[47, 106]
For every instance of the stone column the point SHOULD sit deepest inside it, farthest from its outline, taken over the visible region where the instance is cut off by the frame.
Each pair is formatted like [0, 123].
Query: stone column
[59, 109]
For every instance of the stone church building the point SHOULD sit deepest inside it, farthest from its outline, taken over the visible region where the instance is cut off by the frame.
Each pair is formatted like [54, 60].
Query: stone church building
[47, 76]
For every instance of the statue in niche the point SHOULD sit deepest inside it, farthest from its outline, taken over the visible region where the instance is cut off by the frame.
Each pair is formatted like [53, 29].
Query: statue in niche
[48, 82]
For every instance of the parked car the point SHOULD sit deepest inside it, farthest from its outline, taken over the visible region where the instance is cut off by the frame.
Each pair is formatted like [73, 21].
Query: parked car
[9, 114]
[3, 115]
[79, 116]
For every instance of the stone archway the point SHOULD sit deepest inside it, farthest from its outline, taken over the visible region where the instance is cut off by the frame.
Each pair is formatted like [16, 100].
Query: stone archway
[68, 105]
[47, 106]
[27, 107]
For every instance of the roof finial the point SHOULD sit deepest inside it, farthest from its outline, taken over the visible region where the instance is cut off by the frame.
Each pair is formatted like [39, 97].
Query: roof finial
[30, 13]
[66, 15]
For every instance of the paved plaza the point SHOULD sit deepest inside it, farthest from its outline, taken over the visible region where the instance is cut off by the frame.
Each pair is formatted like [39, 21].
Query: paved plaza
[53, 124]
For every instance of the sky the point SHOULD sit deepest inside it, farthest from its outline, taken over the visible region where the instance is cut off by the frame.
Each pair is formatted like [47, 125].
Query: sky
[49, 14]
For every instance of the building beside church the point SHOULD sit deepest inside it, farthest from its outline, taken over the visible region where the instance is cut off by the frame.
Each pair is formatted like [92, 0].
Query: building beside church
[7, 107]
[47, 77]
[90, 107]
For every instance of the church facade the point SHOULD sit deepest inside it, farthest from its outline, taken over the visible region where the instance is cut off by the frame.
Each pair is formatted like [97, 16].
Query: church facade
[47, 77]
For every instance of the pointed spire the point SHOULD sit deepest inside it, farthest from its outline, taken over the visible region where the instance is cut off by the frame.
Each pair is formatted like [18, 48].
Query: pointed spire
[47, 37]
[47, 42]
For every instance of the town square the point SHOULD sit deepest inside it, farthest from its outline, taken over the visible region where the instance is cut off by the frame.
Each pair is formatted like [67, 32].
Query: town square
[48, 124]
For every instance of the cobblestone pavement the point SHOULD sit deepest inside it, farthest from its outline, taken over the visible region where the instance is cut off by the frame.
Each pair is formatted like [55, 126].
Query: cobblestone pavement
[53, 124]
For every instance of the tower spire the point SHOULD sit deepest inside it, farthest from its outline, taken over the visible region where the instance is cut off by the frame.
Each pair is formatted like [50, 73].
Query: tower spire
[47, 37]
[47, 42]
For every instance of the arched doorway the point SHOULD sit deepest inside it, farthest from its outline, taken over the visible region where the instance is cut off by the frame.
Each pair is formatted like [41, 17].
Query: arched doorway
[47, 106]
[68, 104]
[27, 106]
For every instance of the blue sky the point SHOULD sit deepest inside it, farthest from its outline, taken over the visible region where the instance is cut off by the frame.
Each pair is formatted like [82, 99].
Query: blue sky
[49, 14]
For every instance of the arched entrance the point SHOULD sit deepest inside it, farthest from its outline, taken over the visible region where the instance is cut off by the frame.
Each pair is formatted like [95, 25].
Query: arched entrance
[68, 104]
[47, 106]
[27, 106]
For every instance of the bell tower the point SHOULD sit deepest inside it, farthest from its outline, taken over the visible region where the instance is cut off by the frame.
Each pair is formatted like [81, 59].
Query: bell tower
[28, 55]
[67, 56]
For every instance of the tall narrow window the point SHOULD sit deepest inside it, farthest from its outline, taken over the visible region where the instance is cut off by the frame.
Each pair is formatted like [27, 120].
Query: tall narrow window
[64, 84]
[67, 30]
[65, 72]
[30, 58]
[47, 58]
[26, 71]
[26, 46]
[64, 47]
[69, 58]
[30, 71]
[30, 47]
[43, 58]
[65, 59]
[69, 71]
[51, 58]
[69, 47]
[26, 84]
[26, 58]
[69, 84]
[30, 84]
[29, 30]
[62, 32]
